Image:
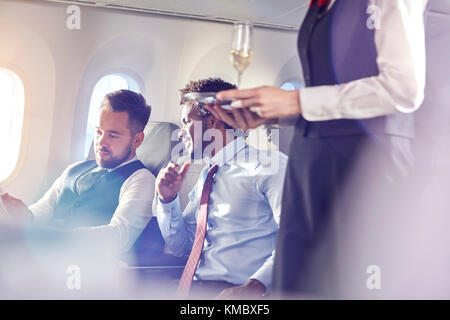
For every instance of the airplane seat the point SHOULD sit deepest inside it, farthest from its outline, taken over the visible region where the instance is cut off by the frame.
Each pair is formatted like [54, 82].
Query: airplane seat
[156, 149]
[155, 152]
[152, 258]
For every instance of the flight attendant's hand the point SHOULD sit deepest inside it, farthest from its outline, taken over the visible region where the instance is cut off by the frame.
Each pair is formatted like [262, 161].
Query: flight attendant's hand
[264, 103]
[238, 118]
[18, 211]
[169, 181]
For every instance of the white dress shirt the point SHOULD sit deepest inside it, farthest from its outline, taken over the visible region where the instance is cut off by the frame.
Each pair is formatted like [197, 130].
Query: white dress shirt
[400, 84]
[130, 217]
[243, 215]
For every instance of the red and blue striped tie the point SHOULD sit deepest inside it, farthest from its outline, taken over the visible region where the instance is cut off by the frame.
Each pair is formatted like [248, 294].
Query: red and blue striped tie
[188, 273]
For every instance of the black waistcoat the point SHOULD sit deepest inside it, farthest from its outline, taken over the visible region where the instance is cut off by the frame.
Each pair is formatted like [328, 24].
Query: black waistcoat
[96, 206]
[335, 47]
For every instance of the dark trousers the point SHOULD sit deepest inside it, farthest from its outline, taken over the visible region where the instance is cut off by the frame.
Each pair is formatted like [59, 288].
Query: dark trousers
[323, 193]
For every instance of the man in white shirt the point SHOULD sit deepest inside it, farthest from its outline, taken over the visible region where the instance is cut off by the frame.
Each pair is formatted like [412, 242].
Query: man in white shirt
[109, 199]
[243, 207]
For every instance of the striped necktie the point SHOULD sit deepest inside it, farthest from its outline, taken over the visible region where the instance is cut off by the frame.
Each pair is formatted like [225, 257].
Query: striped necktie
[197, 248]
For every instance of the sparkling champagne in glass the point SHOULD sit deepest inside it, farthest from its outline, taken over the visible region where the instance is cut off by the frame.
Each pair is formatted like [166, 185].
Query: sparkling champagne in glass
[242, 47]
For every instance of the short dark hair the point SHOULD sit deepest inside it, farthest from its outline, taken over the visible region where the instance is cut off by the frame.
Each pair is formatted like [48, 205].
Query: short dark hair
[206, 85]
[133, 104]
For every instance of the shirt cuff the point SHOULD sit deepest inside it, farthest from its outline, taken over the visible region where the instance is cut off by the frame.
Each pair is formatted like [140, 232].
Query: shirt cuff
[169, 207]
[164, 214]
[265, 277]
[317, 103]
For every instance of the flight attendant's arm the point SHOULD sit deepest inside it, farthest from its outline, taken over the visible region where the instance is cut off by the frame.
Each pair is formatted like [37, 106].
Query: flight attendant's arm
[399, 87]
[400, 84]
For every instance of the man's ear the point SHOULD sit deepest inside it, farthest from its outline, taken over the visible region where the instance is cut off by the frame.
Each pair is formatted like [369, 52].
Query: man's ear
[213, 122]
[138, 139]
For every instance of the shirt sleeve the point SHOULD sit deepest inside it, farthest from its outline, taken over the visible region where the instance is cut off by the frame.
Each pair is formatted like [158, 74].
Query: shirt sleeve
[400, 84]
[43, 209]
[178, 228]
[131, 215]
[270, 184]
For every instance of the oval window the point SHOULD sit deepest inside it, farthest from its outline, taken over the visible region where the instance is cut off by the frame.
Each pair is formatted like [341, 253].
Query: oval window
[105, 85]
[12, 104]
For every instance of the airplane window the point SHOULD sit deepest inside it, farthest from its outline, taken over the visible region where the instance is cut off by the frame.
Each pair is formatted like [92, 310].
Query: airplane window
[12, 103]
[292, 85]
[105, 85]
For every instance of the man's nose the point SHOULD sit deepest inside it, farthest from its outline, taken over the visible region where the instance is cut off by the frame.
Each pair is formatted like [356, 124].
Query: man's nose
[102, 141]
[182, 133]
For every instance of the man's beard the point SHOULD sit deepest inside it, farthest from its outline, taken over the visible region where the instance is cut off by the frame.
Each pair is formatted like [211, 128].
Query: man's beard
[114, 161]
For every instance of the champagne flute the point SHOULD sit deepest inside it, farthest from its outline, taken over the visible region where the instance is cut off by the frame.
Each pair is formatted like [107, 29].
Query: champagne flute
[241, 47]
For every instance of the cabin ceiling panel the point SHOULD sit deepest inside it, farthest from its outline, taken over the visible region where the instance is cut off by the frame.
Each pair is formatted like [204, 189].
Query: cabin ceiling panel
[285, 14]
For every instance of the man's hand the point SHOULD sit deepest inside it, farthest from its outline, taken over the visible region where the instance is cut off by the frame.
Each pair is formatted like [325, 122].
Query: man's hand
[17, 210]
[252, 289]
[169, 181]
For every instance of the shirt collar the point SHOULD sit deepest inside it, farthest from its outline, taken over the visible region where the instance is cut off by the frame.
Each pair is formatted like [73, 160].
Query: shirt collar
[229, 151]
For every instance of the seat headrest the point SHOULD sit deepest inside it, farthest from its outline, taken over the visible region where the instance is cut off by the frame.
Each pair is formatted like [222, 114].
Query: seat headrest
[155, 151]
